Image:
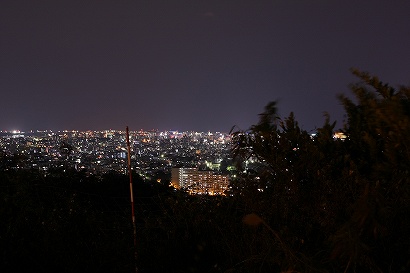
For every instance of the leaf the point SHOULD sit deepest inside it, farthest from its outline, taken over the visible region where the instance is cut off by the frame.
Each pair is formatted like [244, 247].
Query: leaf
[252, 220]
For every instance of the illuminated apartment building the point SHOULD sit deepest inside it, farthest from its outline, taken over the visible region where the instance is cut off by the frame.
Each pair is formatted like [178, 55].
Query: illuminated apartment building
[199, 182]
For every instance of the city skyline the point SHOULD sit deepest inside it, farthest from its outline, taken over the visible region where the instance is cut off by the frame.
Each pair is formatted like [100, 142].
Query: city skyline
[191, 66]
[152, 154]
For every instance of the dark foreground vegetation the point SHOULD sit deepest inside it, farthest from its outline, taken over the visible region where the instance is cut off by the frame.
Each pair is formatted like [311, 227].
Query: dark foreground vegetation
[307, 205]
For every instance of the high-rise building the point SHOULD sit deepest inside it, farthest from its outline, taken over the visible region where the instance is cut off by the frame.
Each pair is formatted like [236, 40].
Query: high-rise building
[199, 182]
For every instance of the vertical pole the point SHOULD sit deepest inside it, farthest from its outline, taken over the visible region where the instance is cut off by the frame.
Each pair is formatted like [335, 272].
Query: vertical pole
[132, 199]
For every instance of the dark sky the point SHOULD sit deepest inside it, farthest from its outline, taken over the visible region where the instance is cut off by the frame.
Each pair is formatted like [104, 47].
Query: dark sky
[190, 65]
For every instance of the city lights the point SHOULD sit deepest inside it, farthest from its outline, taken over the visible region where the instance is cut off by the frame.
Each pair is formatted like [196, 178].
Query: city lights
[98, 152]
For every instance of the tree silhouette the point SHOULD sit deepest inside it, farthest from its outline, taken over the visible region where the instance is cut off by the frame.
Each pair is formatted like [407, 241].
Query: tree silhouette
[348, 197]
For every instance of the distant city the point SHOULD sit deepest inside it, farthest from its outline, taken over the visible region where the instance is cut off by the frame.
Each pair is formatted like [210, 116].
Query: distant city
[198, 161]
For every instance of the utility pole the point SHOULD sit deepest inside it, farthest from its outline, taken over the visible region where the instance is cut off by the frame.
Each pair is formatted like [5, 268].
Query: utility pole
[132, 200]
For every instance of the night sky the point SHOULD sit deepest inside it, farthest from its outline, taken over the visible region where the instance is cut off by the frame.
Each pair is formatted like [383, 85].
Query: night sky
[191, 65]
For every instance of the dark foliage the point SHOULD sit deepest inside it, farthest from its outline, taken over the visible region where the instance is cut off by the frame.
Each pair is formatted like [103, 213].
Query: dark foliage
[338, 204]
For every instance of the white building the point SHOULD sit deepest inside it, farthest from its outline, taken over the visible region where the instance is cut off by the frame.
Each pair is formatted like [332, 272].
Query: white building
[199, 182]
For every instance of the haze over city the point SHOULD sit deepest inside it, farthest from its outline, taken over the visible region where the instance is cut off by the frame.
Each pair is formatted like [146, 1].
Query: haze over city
[190, 65]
